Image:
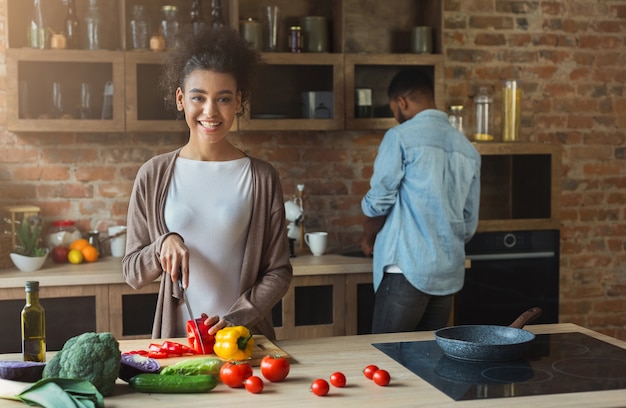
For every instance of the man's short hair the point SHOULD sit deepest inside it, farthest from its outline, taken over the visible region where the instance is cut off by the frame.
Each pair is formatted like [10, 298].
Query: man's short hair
[409, 82]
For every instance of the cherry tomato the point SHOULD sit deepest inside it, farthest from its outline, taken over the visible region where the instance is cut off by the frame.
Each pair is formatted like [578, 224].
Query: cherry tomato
[320, 387]
[370, 370]
[274, 368]
[381, 377]
[234, 374]
[338, 379]
[254, 384]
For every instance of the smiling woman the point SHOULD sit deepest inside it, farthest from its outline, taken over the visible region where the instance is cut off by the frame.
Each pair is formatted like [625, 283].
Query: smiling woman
[206, 212]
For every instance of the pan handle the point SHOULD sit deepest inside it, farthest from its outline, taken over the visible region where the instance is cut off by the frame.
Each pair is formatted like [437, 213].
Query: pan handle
[526, 317]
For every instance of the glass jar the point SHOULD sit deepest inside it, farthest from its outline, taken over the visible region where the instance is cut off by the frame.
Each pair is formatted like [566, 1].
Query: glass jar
[37, 34]
[483, 129]
[62, 233]
[456, 117]
[169, 25]
[139, 29]
[92, 27]
[511, 110]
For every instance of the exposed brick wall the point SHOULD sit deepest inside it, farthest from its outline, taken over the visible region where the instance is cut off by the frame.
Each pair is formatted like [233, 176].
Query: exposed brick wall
[570, 55]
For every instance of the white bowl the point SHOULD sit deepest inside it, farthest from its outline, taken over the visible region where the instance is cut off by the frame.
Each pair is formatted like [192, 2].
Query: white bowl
[28, 263]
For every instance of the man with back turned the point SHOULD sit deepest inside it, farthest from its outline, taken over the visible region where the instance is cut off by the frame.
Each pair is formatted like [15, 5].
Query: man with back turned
[421, 209]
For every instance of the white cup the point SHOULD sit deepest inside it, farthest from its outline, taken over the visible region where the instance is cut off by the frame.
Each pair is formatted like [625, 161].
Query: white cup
[317, 242]
[118, 244]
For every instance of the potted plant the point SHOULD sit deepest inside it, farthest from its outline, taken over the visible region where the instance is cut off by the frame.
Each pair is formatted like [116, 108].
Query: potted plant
[28, 255]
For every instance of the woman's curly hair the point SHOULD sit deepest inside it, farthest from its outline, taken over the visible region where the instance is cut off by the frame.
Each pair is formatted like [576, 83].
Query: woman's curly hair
[220, 50]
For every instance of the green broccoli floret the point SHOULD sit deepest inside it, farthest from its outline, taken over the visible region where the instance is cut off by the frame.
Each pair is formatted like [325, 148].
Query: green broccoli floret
[94, 357]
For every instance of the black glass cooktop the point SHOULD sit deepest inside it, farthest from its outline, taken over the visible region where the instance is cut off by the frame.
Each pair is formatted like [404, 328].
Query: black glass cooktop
[554, 364]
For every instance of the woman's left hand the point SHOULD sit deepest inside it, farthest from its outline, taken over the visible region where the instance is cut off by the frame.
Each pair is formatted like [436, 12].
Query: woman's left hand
[214, 323]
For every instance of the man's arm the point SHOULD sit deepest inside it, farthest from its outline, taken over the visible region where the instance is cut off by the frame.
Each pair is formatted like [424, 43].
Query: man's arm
[371, 227]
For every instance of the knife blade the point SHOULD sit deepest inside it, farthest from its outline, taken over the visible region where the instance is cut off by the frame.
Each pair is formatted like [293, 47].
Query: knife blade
[186, 300]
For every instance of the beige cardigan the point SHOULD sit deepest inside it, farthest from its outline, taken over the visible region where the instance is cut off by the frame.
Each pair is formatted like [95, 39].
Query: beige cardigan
[266, 271]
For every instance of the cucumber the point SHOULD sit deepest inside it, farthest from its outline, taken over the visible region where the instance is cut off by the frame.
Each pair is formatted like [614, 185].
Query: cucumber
[172, 384]
[195, 366]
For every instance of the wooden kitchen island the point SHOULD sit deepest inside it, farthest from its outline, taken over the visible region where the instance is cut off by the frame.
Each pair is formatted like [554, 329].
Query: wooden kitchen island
[318, 358]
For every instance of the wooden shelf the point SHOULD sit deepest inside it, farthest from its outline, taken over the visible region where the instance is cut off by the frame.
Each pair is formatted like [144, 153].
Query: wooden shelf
[70, 67]
[137, 103]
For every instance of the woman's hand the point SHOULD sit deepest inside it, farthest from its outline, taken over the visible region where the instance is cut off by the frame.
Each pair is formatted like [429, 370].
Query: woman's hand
[214, 323]
[174, 258]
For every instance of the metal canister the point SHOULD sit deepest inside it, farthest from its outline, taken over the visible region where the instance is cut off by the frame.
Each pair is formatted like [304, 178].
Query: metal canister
[295, 39]
[252, 32]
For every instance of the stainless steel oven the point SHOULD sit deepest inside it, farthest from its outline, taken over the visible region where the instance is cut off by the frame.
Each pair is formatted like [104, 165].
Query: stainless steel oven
[510, 272]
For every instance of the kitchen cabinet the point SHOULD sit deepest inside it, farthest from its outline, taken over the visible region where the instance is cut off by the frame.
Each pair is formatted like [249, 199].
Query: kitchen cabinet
[368, 45]
[70, 311]
[318, 303]
[520, 186]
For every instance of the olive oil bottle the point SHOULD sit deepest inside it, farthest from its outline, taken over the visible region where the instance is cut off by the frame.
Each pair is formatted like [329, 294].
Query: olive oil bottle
[33, 325]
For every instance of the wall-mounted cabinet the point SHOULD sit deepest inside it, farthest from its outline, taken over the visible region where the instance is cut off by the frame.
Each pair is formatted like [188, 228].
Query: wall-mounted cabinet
[366, 46]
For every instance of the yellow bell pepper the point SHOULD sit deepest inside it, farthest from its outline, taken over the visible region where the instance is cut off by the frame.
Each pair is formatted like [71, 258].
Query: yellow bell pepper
[234, 343]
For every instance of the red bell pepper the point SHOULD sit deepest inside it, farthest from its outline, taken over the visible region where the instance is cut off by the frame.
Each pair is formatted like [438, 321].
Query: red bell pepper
[197, 340]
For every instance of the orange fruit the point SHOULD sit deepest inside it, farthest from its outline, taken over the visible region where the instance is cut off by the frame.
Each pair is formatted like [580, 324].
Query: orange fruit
[79, 244]
[75, 256]
[90, 253]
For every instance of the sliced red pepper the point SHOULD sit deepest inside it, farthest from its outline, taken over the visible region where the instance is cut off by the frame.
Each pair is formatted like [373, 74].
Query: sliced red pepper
[158, 354]
[197, 340]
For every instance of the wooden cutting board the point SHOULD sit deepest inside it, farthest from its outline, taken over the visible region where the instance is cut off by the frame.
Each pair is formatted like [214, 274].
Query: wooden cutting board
[262, 347]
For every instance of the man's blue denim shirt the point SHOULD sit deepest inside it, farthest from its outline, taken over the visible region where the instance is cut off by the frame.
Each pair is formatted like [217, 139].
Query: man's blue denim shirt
[427, 181]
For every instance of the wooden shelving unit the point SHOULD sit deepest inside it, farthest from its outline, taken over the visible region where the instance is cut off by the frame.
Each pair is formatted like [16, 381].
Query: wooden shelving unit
[358, 49]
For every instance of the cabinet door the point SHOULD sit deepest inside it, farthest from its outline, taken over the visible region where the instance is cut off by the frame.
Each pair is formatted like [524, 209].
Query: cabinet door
[70, 311]
[32, 75]
[374, 72]
[131, 311]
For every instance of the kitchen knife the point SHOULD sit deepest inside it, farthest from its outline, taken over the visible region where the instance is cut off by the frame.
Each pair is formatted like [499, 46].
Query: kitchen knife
[186, 300]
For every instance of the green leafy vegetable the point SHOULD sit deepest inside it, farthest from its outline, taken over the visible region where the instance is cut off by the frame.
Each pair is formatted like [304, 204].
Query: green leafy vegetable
[62, 393]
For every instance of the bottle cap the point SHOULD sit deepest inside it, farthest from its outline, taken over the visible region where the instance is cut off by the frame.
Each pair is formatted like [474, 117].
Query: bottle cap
[32, 286]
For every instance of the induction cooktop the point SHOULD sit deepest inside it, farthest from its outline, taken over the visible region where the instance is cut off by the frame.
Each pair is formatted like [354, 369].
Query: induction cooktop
[554, 364]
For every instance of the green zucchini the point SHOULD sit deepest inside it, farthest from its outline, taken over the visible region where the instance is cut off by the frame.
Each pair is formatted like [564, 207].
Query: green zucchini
[195, 366]
[172, 384]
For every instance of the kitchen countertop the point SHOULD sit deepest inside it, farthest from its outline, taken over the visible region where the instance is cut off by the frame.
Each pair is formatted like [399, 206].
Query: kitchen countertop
[108, 270]
[318, 358]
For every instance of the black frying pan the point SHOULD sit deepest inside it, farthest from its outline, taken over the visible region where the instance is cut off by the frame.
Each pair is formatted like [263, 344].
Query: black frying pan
[488, 342]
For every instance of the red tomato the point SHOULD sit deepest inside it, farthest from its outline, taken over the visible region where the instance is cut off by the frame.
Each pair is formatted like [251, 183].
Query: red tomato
[381, 377]
[254, 384]
[320, 387]
[274, 368]
[338, 379]
[234, 374]
[370, 370]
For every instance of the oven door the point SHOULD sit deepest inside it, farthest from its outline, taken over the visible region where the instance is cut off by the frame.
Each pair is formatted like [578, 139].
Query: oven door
[500, 285]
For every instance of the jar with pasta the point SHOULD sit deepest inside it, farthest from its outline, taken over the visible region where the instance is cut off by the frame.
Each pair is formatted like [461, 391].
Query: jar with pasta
[511, 110]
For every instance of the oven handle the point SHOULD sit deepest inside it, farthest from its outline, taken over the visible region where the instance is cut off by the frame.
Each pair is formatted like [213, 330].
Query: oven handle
[511, 256]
